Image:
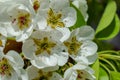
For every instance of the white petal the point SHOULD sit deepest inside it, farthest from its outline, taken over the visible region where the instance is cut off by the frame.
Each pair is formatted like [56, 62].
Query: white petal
[10, 30]
[82, 6]
[49, 60]
[24, 75]
[88, 48]
[25, 35]
[65, 32]
[81, 59]
[53, 68]
[32, 72]
[39, 64]
[69, 16]
[56, 76]
[17, 58]
[41, 20]
[28, 49]
[56, 35]
[92, 58]
[62, 58]
[58, 5]
[79, 66]
[44, 4]
[44, 61]
[84, 33]
[3, 30]
[70, 74]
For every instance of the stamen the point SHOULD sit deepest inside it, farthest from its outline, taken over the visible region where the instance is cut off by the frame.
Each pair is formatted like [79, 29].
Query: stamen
[73, 46]
[24, 20]
[36, 5]
[53, 19]
[5, 68]
[43, 75]
[43, 45]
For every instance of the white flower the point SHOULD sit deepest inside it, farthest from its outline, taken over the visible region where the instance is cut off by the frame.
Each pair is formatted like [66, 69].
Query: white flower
[11, 66]
[39, 4]
[82, 6]
[44, 49]
[42, 74]
[16, 19]
[59, 15]
[80, 44]
[79, 73]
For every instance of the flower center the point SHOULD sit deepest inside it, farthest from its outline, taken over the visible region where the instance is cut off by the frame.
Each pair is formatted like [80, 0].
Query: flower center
[73, 46]
[82, 75]
[43, 75]
[23, 20]
[43, 45]
[5, 68]
[36, 5]
[53, 19]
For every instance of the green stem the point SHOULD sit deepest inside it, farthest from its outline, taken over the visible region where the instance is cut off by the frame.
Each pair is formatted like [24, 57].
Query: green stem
[108, 51]
[108, 63]
[102, 65]
[109, 56]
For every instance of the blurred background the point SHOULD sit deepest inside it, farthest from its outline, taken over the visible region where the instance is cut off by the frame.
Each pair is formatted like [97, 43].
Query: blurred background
[95, 11]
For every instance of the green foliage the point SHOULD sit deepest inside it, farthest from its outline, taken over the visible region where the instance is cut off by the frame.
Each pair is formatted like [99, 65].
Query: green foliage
[111, 31]
[80, 19]
[115, 75]
[108, 26]
[95, 67]
[103, 75]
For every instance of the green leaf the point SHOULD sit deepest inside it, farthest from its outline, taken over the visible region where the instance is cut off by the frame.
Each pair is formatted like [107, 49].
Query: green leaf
[95, 67]
[103, 75]
[111, 31]
[114, 75]
[80, 19]
[107, 17]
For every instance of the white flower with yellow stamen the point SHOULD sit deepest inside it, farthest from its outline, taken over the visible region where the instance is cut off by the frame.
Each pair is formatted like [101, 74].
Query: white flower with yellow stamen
[78, 73]
[11, 67]
[80, 44]
[16, 19]
[44, 49]
[42, 74]
[59, 15]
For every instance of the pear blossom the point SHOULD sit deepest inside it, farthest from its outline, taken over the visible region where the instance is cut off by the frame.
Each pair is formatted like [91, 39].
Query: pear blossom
[11, 66]
[44, 49]
[82, 6]
[59, 15]
[80, 44]
[16, 19]
[73, 73]
[41, 74]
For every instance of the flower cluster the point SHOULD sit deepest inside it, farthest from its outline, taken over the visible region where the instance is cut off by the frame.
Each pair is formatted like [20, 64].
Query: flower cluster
[37, 44]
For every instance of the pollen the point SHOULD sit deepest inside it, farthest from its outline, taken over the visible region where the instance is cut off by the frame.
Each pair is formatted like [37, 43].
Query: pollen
[43, 75]
[22, 20]
[73, 46]
[54, 19]
[43, 45]
[5, 68]
[36, 5]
